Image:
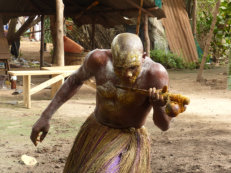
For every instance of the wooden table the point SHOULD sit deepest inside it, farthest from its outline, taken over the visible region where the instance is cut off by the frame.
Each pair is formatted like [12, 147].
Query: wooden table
[58, 76]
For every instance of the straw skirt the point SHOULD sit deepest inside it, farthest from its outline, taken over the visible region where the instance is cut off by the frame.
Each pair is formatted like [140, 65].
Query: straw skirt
[101, 149]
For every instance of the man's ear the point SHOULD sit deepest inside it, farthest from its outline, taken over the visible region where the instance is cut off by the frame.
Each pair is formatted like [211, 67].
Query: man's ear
[144, 55]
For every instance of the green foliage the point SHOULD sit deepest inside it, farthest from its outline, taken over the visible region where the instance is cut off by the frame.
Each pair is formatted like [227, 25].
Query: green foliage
[47, 33]
[173, 61]
[221, 41]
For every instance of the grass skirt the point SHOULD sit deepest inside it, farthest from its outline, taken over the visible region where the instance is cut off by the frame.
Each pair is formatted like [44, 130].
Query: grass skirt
[101, 149]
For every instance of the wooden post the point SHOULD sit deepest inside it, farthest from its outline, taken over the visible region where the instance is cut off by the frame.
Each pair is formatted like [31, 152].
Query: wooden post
[59, 33]
[194, 17]
[1, 28]
[229, 72]
[146, 35]
[21, 30]
[11, 30]
[93, 35]
[207, 45]
[139, 18]
[26, 91]
[42, 42]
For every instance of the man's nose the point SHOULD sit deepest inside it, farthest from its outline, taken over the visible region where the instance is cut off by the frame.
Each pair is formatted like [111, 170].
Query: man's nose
[129, 73]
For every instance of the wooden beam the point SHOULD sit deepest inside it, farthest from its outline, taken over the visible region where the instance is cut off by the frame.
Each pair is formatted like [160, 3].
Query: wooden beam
[69, 67]
[146, 35]
[48, 83]
[42, 43]
[142, 9]
[39, 72]
[21, 30]
[1, 28]
[139, 18]
[11, 30]
[55, 87]
[95, 3]
[93, 34]
[59, 33]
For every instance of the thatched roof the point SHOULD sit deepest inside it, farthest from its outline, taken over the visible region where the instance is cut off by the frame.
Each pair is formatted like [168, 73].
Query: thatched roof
[107, 12]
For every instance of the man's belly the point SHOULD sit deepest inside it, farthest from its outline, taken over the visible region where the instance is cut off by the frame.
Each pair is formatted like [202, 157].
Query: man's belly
[122, 117]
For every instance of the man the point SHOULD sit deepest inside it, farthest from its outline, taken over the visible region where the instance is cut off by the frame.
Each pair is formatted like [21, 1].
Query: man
[113, 138]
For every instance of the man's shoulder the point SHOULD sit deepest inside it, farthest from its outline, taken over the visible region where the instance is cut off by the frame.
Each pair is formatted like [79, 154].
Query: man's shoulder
[99, 54]
[154, 74]
[153, 68]
[98, 57]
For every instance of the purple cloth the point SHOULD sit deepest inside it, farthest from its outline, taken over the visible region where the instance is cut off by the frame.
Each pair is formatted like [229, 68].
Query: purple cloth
[115, 162]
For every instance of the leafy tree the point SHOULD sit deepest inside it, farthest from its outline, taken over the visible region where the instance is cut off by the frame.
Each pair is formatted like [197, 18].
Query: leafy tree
[221, 42]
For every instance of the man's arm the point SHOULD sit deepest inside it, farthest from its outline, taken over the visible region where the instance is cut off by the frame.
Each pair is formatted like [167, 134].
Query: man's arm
[160, 79]
[67, 90]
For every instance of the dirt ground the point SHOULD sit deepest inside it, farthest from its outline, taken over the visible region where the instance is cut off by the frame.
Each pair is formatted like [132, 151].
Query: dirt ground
[199, 140]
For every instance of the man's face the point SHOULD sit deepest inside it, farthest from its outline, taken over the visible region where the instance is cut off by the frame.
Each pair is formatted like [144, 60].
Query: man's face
[127, 53]
[127, 68]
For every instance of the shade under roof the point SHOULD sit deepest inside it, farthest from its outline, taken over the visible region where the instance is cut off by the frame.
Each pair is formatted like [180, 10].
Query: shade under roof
[107, 12]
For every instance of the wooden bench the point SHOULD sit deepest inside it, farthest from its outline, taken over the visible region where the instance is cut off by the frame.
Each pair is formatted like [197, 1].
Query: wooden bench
[58, 75]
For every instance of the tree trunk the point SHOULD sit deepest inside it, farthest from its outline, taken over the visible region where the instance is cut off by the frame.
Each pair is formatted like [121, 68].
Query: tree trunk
[11, 30]
[194, 18]
[21, 30]
[229, 72]
[207, 45]
[146, 35]
[59, 30]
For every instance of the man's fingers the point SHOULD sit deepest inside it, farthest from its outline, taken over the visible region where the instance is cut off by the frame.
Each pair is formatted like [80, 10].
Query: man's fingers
[43, 136]
[34, 135]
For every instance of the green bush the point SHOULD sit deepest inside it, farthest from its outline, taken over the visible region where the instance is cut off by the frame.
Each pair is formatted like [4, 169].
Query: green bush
[173, 61]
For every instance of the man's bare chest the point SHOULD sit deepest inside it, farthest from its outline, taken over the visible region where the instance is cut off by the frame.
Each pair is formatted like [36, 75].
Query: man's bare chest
[111, 95]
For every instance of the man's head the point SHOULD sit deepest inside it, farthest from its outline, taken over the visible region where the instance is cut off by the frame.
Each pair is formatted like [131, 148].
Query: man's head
[127, 53]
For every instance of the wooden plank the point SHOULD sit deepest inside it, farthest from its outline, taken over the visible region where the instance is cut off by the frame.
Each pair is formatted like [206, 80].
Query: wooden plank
[70, 67]
[26, 91]
[178, 30]
[39, 72]
[47, 83]
[55, 87]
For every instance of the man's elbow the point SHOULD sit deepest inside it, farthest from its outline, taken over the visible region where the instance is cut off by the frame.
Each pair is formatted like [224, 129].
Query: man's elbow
[163, 127]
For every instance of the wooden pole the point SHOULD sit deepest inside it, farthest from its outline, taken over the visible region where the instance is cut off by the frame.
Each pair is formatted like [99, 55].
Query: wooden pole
[93, 35]
[139, 18]
[1, 28]
[53, 35]
[59, 33]
[146, 35]
[194, 17]
[11, 29]
[207, 45]
[21, 30]
[147, 10]
[42, 42]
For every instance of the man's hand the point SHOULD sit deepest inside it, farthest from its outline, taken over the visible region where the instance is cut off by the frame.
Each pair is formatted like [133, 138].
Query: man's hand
[156, 98]
[42, 125]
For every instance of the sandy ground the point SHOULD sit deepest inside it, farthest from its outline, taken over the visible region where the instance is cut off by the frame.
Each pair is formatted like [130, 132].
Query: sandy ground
[199, 140]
